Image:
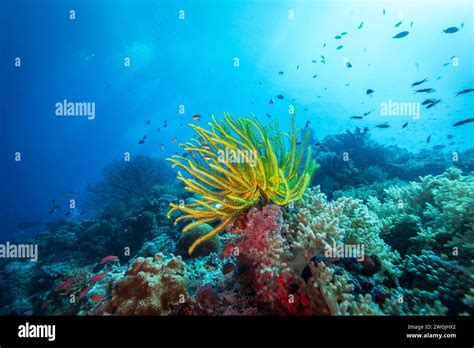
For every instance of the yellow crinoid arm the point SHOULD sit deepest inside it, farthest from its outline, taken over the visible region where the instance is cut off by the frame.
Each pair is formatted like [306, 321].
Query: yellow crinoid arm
[269, 166]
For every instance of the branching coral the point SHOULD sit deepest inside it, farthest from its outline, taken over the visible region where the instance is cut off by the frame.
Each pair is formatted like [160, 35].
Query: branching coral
[235, 165]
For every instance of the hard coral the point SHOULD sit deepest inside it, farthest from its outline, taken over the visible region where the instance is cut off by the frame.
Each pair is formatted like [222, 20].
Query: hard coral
[259, 167]
[150, 287]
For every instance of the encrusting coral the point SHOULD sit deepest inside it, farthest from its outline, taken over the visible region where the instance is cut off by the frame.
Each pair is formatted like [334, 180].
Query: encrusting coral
[150, 286]
[260, 168]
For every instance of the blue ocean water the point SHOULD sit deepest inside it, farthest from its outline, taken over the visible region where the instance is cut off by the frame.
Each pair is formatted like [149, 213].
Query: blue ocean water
[191, 62]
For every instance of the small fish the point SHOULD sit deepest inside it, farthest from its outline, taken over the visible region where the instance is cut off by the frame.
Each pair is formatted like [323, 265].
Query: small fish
[322, 57]
[425, 90]
[158, 129]
[305, 109]
[446, 64]
[53, 201]
[141, 141]
[357, 117]
[433, 103]
[165, 121]
[279, 96]
[428, 139]
[148, 122]
[451, 30]
[383, 12]
[324, 45]
[84, 292]
[317, 144]
[369, 91]
[271, 101]
[227, 251]
[401, 34]
[280, 73]
[298, 143]
[452, 143]
[228, 267]
[205, 146]
[67, 284]
[428, 101]
[207, 158]
[196, 117]
[108, 259]
[449, 136]
[82, 213]
[313, 61]
[338, 37]
[398, 24]
[348, 65]
[97, 278]
[411, 24]
[464, 91]
[165, 125]
[162, 147]
[438, 147]
[460, 123]
[314, 76]
[344, 33]
[417, 83]
[339, 47]
[360, 25]
[366, 129]
[174, 140]
[367, 113]
[252, 102]
[269, 116]
[307, 123]
[297, 67]
[51, 211]
[382, 126]
[96, 297]
[404, 125]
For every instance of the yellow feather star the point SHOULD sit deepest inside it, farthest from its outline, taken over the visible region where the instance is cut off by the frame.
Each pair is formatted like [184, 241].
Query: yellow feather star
[260, 167]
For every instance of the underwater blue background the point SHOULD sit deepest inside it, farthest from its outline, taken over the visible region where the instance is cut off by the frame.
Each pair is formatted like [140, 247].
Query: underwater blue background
[191, 62]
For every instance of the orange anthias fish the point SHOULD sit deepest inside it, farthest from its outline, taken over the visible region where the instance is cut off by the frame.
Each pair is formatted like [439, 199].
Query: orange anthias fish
[96, 297]
[107, 259]
[97, 278]
[228, 250]
[67, 284]
[84, 292]
[196, 117]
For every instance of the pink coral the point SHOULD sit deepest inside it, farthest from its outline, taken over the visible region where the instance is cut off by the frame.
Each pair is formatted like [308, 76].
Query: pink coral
[262, 249]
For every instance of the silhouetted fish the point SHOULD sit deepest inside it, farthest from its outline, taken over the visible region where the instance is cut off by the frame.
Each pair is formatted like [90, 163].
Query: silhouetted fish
[369, 91]
[417, 83]
[449, 136]
[348, 65]
[344, 33]
[279, 96]
[338, 37]
[357, 117]
[314, 76]
[401, 34]
[141, 141]
[339, 47]
[428, 139]
[271, 101]
[464, 91]
[451, 30]
[280, 73]
[360, 25]
[148, 122]
[398, 24]
[460, 123]
[433, 103]
[382, 126]
[425, 90]
[269, 116]
[406, 124]
[307, 123]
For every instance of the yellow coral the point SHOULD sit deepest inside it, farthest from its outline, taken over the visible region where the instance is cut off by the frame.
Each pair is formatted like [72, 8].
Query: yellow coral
[260, 167]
